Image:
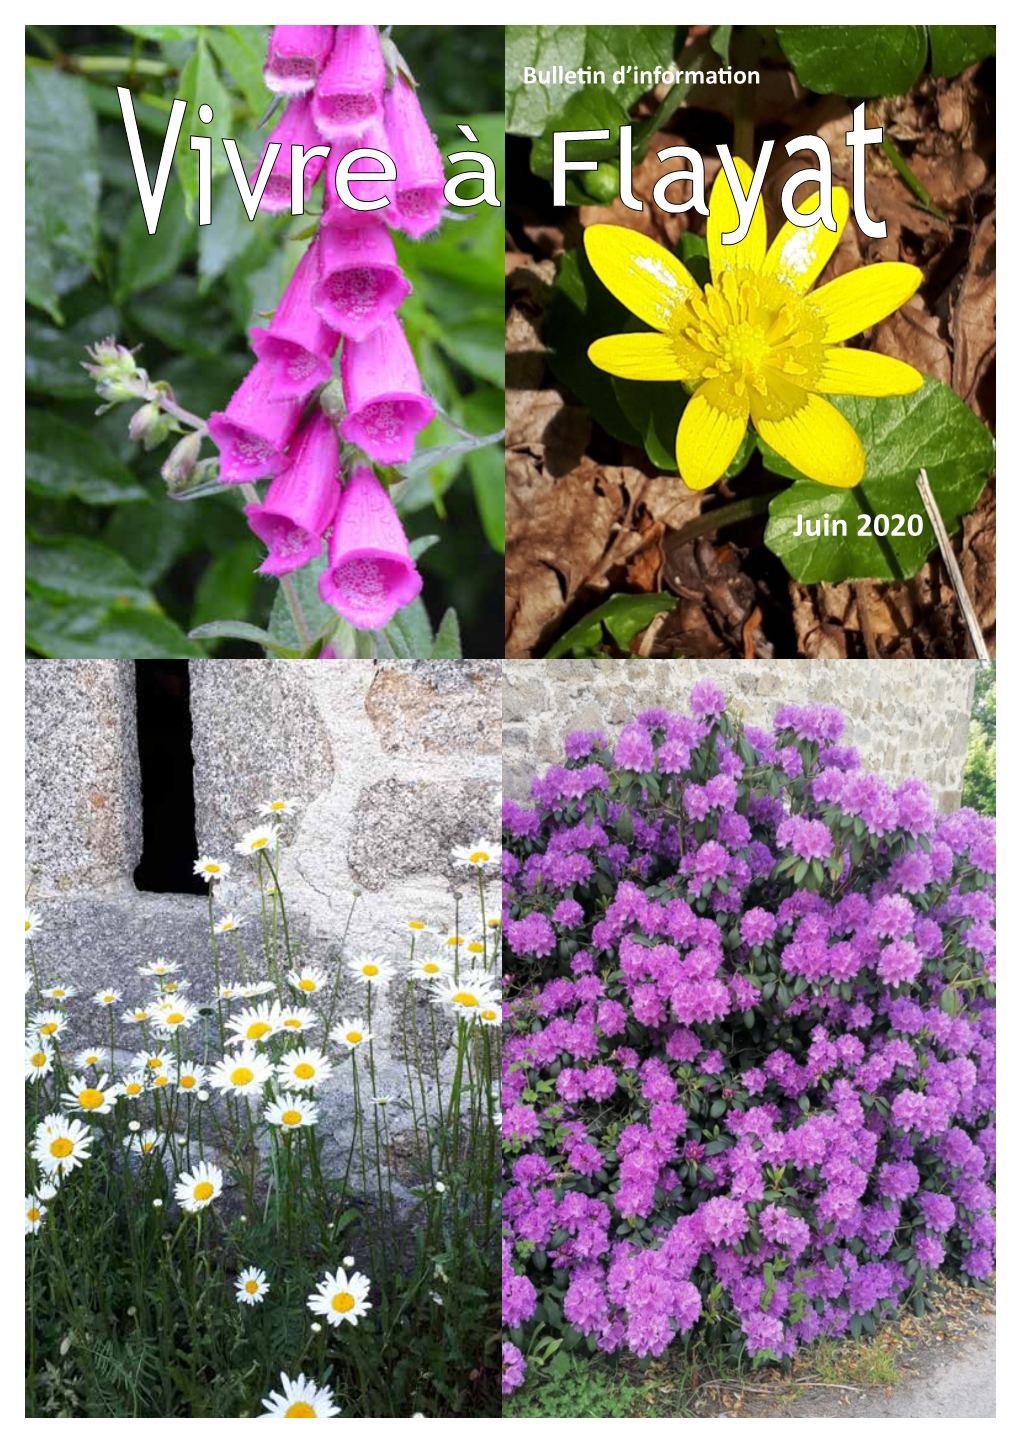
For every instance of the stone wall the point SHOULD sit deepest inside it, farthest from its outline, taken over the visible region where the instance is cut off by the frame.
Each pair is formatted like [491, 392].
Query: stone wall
[907, 718]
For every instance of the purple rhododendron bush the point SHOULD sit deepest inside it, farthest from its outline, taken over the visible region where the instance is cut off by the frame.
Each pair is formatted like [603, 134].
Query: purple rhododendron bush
[749, 1071]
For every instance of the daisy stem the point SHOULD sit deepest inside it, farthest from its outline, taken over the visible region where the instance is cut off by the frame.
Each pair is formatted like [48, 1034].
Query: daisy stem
[359, 1122]
[286, 930]
[481, 899]
[35, 971]
[410, 1004]
[216, 967]
[336, 979]
[439, 1084]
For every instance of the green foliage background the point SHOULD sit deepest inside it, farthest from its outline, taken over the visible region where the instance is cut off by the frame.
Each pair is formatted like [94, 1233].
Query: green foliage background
[979, 776]
[114, 567]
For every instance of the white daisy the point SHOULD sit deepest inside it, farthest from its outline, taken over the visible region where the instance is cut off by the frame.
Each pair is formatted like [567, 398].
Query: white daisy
[231, 990]
[91, 1056]
[191, 1076]
[255, 1023]
[61, 1144]
[175, 984]
[296, 1019]
[151, 1062]
[419, 923]
[133, 1085]
[136, 1014]
[429, 968]
[211, 869]
[59, 993]
[341, 1298]
[251, 1286]
[300, 1399]
[38, 1059]
[478, 855]
[160, 1079]
[368, 968]
[145, 1142]
[160, 967]
[382, 1101]
[34, 1213]
[244, 1074]
[490, 1014]
[303, 1070]
[195, 1190]
[230, 922]
[290, 1110]
[48, 1024]
[257, 988]
[84, 1096]
[309, 979]
[106, 996]
[262, 838]
[469, 996]
[33, 922]
[174, 1016]
[351, 1032]
[279, 806]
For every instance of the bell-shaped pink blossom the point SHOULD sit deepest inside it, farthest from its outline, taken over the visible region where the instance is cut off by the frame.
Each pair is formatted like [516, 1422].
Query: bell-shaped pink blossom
[349, 91]
[298, 346]
[296, 56]
[337, 211]
[370, 573]
[301, 501]
[359, 280]
[414, 152]
[255, 429]
[386, 406]
[295, 127]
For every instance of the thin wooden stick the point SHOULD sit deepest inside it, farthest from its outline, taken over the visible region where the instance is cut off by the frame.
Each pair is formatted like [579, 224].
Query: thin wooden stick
[977, 640]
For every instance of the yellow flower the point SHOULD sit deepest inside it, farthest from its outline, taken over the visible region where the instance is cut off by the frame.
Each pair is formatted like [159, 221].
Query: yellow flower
[754, 345]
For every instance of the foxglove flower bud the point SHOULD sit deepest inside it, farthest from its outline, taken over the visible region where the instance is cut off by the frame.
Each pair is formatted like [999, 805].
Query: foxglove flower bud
[301, 500]
[359, 282]
[338, 212]
[349, 91]
[295, 127]
[414, 152]
[370, 574]
[386, 406]
[114, 371]
[296, 56]
[151, 425]
[255, 429]
[298, 346]
[180, 463]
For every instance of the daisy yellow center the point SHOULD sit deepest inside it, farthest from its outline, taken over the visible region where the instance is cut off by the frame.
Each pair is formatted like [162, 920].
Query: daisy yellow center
[187, 1082]
[48, 1028]
[465, 998]
[354, 1036]
[161, 1081]
[212, 867]
[299, 1409]
[203, 1191]
[257, 1029]
[278, 805]
[33, 1214]
[343, 1302]
[417, 925]
[241, 1076]
[141, 1016]
[259, 841]
[154, 1063]
[306, 984]
[304, 1071]
[455, 940]
[133, 1088]
[477, 856]
[291, 1118]
[57, 992]
[90, 1099]
[293, 1021]
[174, 1018]
[60, 1147]
[488, 1014]
[370, 970]
[475, 946]
[38, 1058]
[148, 1146]
[431, 967]
[751, 331]
[108, 996]
[28, 926]
[251, 1286]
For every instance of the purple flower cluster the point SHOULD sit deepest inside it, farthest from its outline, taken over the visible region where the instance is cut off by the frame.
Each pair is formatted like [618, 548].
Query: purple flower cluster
[750, 1047]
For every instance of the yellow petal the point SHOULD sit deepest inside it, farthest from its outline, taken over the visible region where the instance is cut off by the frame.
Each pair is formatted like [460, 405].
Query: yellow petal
[711, 429]
[799, 254]
[852, 302]
[748, 253]
[638, 357]
[812, 436]
[643, 276]
[866, 373]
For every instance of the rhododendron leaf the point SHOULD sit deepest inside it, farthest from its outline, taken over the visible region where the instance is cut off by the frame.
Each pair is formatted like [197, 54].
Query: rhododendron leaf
[62, 193]
[932, 428]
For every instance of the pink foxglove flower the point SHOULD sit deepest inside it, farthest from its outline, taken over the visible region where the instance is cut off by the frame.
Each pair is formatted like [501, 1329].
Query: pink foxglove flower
[298, 346]
[386, 406]
[370, 574]
[338, 212]
[255, 429]
[349, 90]
[359, 282]
[419, 164]
[301, 501]
[297, 54]
[295, 127]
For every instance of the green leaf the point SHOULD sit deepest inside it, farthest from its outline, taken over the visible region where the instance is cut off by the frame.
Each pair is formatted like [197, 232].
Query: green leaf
[63, 181]
[654, 408]
[483, 412]
[855, 60]
[241, 49]
[318, 616]
[53, 358]
[415, 487]
[581, 310]
[146, 260]
[602, 47]
[64, 460]
[242, 631]
[230, 241]
[446, 646]
[181, 318]
[593, 108]
[623, 617]
[408, 636]
[87, 629]
[228, 583]
[162, 32]
[932, 428]
[63, 568]
[954, 47]
[200, 84]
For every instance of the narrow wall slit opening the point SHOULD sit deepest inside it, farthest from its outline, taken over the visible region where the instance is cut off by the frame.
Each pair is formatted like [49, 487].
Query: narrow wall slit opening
[169, 847]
